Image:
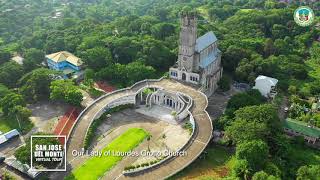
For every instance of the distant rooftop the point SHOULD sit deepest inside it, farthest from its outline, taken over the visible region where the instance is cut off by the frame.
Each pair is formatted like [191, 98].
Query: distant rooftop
[204, 41]
[65, 56]
[271, 80]
[301, 127]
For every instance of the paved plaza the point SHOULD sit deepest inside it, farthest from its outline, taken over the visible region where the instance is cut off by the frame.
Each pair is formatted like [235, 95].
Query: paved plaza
[158, 112]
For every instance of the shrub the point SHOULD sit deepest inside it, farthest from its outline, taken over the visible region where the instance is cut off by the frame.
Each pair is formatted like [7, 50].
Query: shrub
[224, 83]
[188, 126]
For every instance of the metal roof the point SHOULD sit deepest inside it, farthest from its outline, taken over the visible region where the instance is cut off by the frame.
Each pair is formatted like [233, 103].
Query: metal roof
[11, 134]
[3, 139]
[301, 127]
[209, 59]
[272, 81]
[204, 41]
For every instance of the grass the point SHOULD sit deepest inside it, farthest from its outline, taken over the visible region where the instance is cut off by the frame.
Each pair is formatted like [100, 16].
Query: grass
[7, 124]
[4, 126]
[216, 164]
[96, 123]
[95, 167]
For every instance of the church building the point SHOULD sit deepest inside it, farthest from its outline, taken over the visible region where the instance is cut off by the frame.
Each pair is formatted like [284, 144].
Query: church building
[199, 59]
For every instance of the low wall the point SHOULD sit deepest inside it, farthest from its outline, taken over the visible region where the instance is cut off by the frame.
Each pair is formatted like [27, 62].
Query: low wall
[130, 99]
[183, 114]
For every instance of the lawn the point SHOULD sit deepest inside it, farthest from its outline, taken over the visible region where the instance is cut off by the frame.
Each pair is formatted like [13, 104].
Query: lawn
[9, 124]
[212, 166]
[4, 127]
[95, 167]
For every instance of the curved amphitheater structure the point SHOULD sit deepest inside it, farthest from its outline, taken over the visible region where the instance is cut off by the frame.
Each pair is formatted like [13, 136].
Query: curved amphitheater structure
[200, 138]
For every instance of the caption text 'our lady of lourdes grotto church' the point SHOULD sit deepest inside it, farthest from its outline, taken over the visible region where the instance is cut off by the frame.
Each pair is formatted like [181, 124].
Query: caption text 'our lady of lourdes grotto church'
[199, 59]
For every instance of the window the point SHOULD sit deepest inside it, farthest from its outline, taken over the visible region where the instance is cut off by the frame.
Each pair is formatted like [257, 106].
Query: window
[173, 73]
[193, 78]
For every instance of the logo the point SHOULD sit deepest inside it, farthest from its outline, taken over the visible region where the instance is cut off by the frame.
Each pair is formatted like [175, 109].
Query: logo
[48, 153]
[304, 16]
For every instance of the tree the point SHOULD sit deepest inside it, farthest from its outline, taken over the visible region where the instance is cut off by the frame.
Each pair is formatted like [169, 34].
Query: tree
[315, 51]
[10, 102]
[21, 113]
[97, 58]
[4, 56]
[67, 91]
[3, 91]
[33, 59]
[74, 97]
[124, 49]
[269, 48]
[232, 57]
[242, 130]
[35, 84]
[254, 123]
[224, 83]
[315, 87]
[311, 172]
[125, 75]
[261, 175]
[90, 42]
[156, 54]
[162, 30]
[241, 169]
[242, 100]
[254, 152]
[10, 73]
[89, 74]
[7, 176]
[279, 31]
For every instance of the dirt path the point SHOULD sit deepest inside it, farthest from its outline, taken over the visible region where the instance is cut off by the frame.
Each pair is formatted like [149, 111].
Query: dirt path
[281, 112]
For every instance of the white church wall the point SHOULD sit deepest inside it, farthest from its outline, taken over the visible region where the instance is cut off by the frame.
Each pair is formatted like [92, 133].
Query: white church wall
[193, 78]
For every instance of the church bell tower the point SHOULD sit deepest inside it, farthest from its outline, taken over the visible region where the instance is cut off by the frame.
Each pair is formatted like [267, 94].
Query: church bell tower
[187, 43]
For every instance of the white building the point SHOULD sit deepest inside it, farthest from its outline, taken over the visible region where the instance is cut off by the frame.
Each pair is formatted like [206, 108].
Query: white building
[266, 85]
[199, 59]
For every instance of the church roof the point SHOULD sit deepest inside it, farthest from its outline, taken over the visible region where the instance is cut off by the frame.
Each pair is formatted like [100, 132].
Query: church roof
[205, 41]
[209, 59]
